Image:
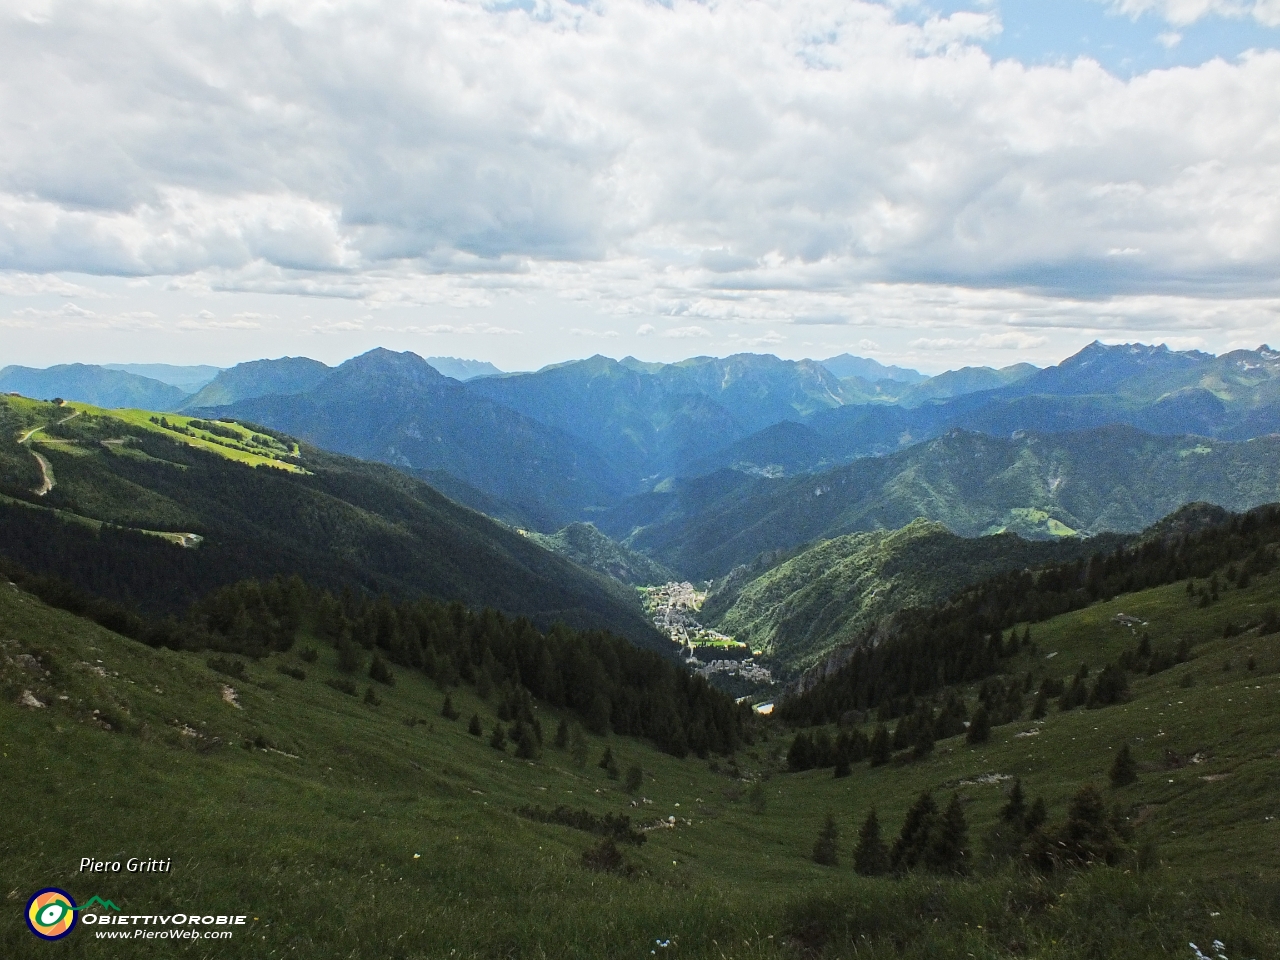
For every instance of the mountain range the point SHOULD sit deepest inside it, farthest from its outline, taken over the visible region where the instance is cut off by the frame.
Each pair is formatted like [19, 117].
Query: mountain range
[605, 440]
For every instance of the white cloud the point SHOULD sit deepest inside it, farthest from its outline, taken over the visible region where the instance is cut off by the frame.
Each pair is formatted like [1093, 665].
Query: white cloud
[770, 339]
[744, 162]
[987, 341]
[1185, 12]
[582, 332]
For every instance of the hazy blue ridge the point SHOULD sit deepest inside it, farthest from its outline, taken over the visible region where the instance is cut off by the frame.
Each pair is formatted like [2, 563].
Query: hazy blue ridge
[91, 384]
[285, 376]
[397, 409]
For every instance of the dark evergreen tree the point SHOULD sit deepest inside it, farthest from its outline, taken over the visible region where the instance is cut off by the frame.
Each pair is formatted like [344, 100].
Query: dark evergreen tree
[1040, 707]
[606, 759]
[1124, 770]
[635, 778]
[802, 754]
[449, 711]
[1014, 811]
[1110, 687]
[979, 727]
[380, 672]
[880, 749]
[370, 697]
[349, 658]
[498, 739]
[826, 848]
[871, 858]
[924, 741]
[948, 850]
[474, 728]
[1037, 816]
[526, 743]
[562, 735]
[909, 849]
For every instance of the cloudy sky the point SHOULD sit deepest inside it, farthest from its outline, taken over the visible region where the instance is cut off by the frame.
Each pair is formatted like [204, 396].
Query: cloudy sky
[527, 182]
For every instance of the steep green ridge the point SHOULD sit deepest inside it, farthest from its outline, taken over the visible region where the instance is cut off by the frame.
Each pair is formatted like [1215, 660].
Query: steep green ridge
[588, 547]
[334, 520]
[91, 384]
[341, 828]
[1112, 478]
[811, 604]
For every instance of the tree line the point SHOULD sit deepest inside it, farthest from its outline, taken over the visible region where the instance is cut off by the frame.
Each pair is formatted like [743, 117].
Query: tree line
[923, 650]
[607, 682]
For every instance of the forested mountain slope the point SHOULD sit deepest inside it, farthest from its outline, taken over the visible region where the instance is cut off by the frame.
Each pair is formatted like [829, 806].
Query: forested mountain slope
[127, 489]
[1107, 479]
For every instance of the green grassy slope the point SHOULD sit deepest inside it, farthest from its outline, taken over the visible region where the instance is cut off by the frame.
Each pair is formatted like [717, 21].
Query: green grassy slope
[807, 606]
[312, 830]
[334, 520]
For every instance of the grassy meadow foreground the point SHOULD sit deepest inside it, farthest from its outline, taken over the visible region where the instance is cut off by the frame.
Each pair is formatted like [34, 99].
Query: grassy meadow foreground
[349, 828]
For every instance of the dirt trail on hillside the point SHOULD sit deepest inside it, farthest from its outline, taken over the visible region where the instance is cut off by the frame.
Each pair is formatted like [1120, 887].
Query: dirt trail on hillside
[47, 482]
[46, 475]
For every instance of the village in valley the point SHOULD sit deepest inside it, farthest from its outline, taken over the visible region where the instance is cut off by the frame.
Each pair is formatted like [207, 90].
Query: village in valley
[674, 608]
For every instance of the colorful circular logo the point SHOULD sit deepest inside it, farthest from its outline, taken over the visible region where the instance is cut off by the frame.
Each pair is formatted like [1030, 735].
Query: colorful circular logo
[51, 913]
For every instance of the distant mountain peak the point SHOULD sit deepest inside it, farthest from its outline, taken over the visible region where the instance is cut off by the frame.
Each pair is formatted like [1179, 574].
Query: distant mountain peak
[461, 369]
[405, 366]
[847, 365]
[1159, 351]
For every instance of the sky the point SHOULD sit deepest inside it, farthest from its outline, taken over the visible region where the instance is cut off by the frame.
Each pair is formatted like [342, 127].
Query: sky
[531, 181]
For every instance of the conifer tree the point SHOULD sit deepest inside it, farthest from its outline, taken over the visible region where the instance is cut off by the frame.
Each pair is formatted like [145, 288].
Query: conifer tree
[498, 739]
[449, 711]
[826, 848]
[1037, 816]
[1014, 811]
[801, 754]
[348, 655]
[635, 778]
[948, 850]
[370, 697]
[474, 728]
[1124, 770]
[909, 849]
[606, 759]
[871, 858]
[562, 735]
[380, 672]
[880, 749]
[979, 726]
[1041, 706]
[526, 743]
[924, 741]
